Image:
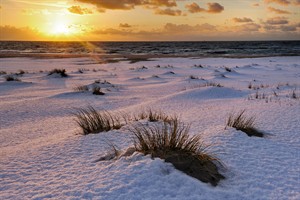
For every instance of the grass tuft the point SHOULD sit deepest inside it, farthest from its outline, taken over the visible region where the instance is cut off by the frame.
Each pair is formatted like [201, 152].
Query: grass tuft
[11, 78]
[61, 72]
[81, 88]
[152, 116]
[171, 141]
[97, 91]
[92, 121]
[243, 123]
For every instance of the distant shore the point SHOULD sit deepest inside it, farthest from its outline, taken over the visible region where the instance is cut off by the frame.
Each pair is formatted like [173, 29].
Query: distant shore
[137, 57]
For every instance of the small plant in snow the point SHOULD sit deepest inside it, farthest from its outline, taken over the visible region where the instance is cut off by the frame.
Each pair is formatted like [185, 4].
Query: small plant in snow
[11, 78]
[228, 69]
[152, 116]
[61, 72]
[294, 95]
[171, 141]
[193, 77]
[92, 121]
[81, 88]
[97, 91]
[243, 123]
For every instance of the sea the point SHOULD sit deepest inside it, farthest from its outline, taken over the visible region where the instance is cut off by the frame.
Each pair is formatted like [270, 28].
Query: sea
[203, 49]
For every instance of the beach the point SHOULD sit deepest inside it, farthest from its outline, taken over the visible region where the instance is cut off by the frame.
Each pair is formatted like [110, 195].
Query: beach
[44, 156]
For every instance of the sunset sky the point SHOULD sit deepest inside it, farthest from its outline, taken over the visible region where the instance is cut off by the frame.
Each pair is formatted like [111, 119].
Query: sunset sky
[149, 20]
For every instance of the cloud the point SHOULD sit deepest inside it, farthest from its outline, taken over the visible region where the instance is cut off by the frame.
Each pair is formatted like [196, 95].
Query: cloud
[296, 2]
[79, 10]
[125, 25]
[14, 33]
[249, 27]
[277, 21]
[194, 8]
[281, 2]
[242, 20]
[168, 11]
[179, 28]
[282, 28]
[278, 11]
[212, 8]
[103, 5]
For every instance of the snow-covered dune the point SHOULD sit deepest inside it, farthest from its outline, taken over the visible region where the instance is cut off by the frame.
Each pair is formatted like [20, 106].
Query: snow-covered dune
[42, 156]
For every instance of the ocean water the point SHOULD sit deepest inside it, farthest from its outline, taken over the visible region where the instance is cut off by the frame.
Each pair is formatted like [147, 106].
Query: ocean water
[205, 49]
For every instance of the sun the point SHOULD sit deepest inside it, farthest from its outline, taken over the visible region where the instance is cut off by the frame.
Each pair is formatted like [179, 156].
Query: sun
[60, 28]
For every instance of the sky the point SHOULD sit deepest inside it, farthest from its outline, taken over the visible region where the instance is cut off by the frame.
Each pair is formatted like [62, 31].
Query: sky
[149, 20]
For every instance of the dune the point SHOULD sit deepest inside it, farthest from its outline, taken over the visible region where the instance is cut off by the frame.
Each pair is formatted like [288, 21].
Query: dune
[43, 156]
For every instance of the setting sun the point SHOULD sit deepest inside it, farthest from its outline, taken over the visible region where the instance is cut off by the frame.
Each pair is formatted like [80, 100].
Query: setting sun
[60, 28]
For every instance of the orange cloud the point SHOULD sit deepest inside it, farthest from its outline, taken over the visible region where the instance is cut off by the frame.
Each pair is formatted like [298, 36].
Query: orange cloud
[242, 20]
[80, 11]
[168, 11]
[194, 8]
[281, 2]
[250, 27]
[212, 8]
[179, 28]
[125, 25]
[127, 4]
[278, 11]
[14, 33]
[277, 21]
[296, 2]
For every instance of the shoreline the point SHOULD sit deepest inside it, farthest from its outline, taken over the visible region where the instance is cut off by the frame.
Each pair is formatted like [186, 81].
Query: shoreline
[141, 57]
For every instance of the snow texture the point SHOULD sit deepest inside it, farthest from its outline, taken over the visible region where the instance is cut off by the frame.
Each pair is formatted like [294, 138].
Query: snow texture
[43, 157]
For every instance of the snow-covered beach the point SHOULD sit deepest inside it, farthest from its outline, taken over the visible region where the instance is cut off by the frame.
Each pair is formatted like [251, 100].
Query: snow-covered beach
[44, 157]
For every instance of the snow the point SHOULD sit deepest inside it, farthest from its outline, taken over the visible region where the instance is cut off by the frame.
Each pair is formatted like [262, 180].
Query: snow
[42, 155]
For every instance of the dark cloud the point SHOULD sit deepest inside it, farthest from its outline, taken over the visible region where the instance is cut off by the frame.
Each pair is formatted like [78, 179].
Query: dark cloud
[125, 25]
[281, 2]
[277, 21]
[212, 8]
[103, 5]
[80, 11]
[168, 11]
[278, 11]
[242, 20]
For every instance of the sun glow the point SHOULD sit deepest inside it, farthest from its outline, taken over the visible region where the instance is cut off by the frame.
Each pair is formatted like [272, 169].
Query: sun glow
[60, 28]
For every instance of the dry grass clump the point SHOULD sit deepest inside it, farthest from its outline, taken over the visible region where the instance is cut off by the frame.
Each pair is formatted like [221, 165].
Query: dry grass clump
[193, 77]
[152, 116]
[81, 88]
[171, 141]
[294, 95]
[97, 91]
[228, 69]
[61, 72]
[11, 78]
[92, 121]
[243, 123]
